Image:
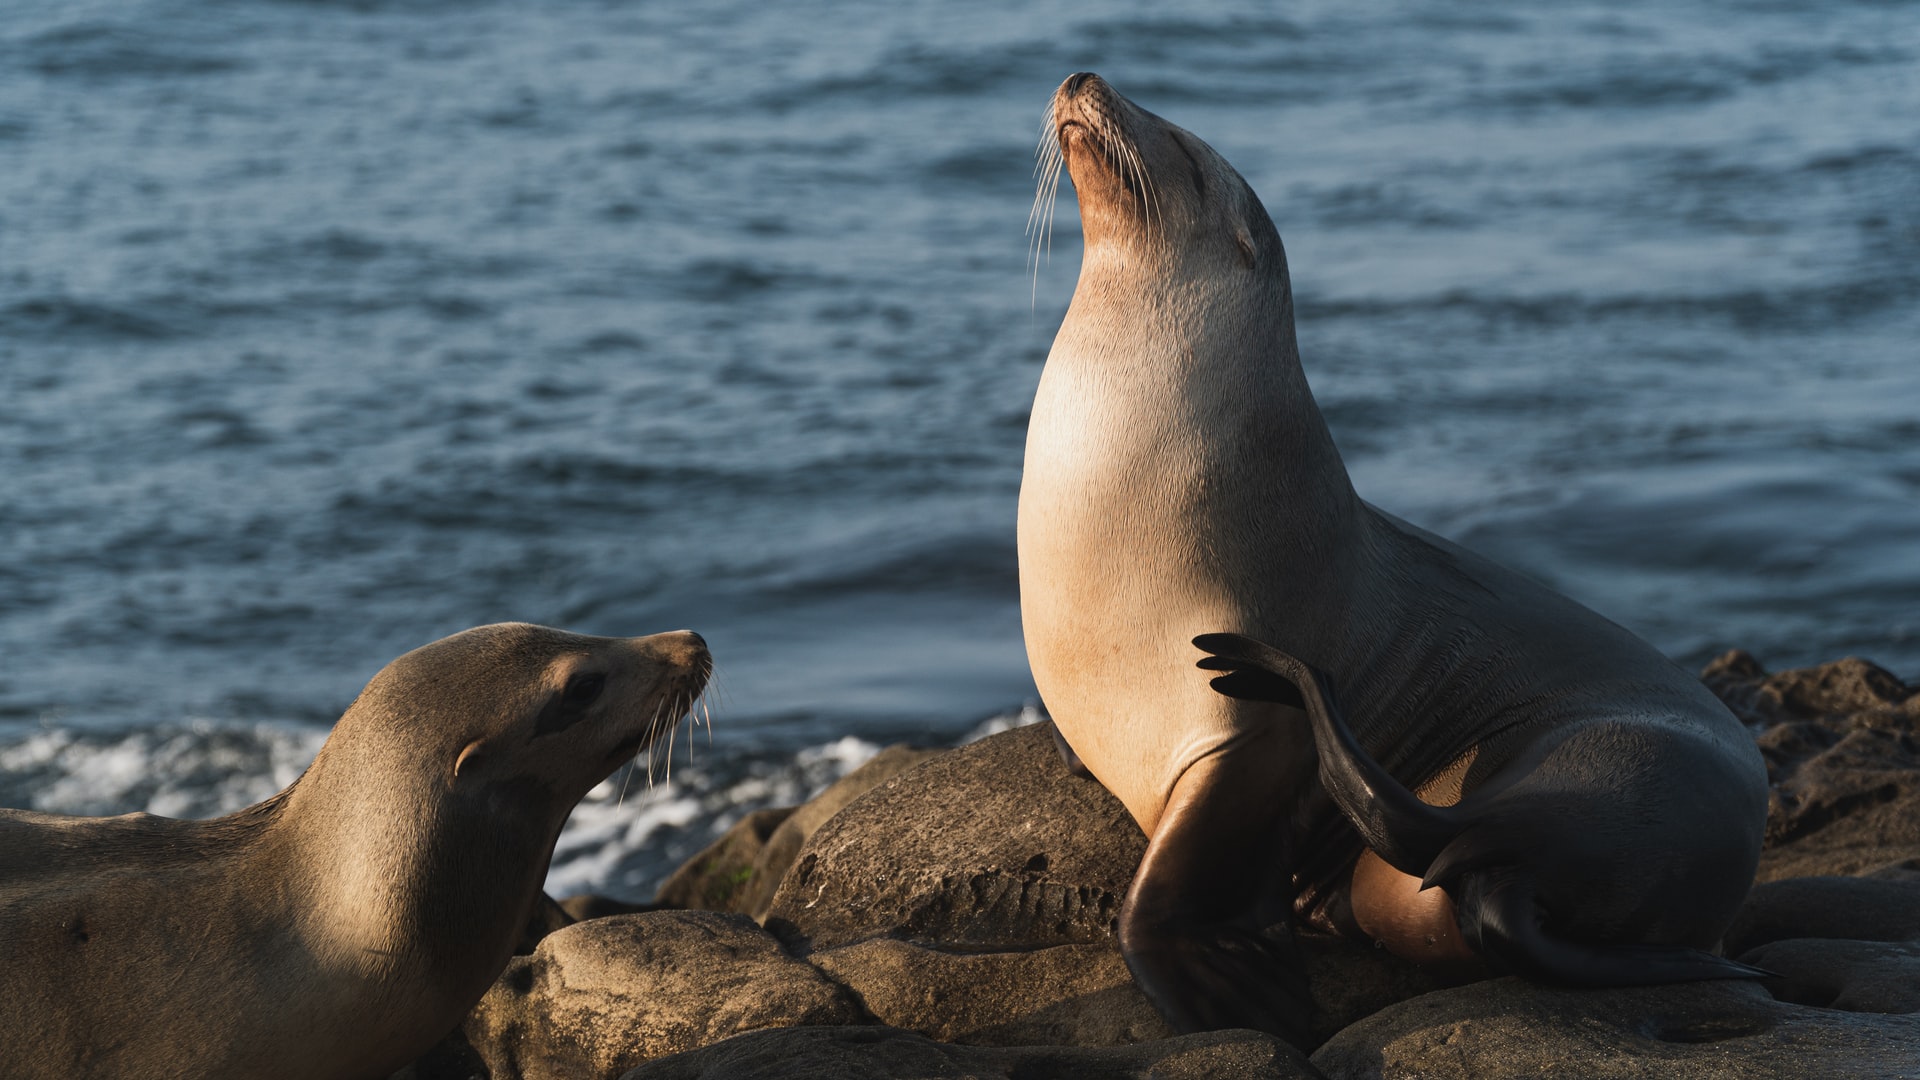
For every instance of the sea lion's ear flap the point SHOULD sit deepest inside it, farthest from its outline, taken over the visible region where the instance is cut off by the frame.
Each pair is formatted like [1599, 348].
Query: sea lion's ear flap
[471, 756]
[1248, 253]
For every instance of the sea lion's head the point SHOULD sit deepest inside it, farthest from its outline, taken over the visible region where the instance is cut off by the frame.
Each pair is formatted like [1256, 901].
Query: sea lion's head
[1150, 190]
[528, 711]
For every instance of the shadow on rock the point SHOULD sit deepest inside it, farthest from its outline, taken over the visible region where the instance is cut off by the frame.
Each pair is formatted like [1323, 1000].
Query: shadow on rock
[1725, 1030]
[886, 1053]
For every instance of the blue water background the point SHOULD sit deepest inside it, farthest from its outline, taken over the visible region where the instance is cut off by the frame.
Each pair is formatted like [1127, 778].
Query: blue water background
[327, 329]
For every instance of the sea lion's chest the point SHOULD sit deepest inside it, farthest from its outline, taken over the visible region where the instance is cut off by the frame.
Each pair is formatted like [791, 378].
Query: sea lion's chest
[1120, 536]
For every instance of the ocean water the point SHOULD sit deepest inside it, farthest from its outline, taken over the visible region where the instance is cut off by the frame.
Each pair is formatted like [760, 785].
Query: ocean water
[330, 328]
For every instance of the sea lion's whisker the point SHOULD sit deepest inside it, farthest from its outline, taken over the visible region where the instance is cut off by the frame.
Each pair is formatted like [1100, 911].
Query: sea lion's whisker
[1050, 162]
[673, 728]
[625, 779]
[653, 740]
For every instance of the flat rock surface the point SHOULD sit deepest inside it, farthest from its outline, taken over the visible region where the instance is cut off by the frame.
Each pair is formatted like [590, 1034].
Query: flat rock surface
[1067, 995]
[1860, 909]
[1725, 1030]
[876, 1053]
[598, 997]
[992, 844]
[1854, 976]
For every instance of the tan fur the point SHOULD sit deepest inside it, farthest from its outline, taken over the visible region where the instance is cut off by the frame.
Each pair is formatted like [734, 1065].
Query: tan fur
[1130, 543]
[1180, 481]
[1394, 909]
[340, 928]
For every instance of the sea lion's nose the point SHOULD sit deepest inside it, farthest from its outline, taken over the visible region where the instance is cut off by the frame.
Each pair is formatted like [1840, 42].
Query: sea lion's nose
[682, 648]
[1077, 80]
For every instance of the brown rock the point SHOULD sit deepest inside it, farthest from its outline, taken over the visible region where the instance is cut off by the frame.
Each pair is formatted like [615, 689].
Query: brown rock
[1838, 688]
[991, 845]
[1350, 980]
[1844, 760]
[1727, 1029]
[1855, 976]
[599, 997]
[717, 878]
[787, 840]
[1067, 995]
[877, 1053]
[1850, 808]
[741, 870]
[584, 906]
[1861, 909]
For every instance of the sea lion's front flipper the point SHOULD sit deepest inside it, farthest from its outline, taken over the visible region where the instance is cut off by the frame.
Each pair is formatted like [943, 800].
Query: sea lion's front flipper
[1212, 880]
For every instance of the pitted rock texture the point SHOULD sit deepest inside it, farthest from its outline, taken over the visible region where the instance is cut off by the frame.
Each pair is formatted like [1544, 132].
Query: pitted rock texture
[1842, 743]
[1507, 1029]
[741, 870]
[877, 1053]
[599, 997]
[1067, 995]
[991, 845]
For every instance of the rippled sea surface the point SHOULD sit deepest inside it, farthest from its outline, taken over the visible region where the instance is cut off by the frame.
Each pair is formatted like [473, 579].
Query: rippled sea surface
[329, 328]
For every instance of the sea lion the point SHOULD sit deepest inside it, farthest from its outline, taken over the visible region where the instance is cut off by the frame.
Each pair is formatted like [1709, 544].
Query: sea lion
[1180, 482]
[341, 927]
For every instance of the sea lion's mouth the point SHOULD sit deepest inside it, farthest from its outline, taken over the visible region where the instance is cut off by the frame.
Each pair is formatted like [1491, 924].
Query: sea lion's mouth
[1102, 143]
[1088, 115]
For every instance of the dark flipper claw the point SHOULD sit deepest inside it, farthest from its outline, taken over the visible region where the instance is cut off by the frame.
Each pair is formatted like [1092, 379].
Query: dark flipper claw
[1246, 677]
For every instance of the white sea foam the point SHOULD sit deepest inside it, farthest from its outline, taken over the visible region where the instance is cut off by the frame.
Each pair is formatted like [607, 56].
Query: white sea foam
[623, 839]
[195, 770]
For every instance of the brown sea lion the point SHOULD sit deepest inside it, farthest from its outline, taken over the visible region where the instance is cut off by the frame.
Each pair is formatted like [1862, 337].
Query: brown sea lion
[343, 926]
[1179, 482]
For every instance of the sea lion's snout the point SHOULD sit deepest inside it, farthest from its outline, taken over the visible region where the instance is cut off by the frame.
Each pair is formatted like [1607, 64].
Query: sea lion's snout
[1113, 149]
[1084, 104]
[686, 662]
[680, 648]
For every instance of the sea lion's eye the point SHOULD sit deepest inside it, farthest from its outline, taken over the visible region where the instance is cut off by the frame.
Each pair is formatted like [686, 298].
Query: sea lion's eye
[583, 688]
[569, 706]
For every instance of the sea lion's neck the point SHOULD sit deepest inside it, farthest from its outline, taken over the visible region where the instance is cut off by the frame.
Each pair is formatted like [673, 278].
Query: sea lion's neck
[407, 895]
[1212, 351]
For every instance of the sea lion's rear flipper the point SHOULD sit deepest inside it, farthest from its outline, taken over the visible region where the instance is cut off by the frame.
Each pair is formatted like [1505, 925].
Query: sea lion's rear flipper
[1479, 860]
[1191, 929]
[1408, 833]
[1497, 909]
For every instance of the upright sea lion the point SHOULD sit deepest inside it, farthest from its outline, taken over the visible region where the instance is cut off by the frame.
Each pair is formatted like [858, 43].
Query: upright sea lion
[341, 927]
[1180, 481]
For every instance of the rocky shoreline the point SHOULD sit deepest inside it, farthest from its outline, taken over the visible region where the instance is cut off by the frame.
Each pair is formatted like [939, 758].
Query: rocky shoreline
[950, 914]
